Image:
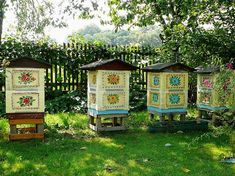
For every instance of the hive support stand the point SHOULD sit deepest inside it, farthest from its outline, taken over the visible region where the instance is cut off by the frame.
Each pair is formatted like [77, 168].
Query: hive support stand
[112, 122]
[212, 116]
[170, 116]
[23, 133]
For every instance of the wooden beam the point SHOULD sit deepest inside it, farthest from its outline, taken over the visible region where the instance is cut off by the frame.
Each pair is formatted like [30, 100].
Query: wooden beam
[25, 121]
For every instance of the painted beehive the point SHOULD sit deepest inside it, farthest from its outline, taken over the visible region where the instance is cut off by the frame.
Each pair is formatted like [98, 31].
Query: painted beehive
[167, 90]
[207, 97]
[108, 87]
[25, 86]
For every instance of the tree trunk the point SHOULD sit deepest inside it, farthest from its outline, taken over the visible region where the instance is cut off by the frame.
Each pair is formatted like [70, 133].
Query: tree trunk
[2, 5]
[1, 23]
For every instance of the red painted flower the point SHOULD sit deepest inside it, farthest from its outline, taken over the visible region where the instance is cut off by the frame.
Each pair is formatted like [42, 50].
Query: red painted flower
[26, 101]
[25, 78]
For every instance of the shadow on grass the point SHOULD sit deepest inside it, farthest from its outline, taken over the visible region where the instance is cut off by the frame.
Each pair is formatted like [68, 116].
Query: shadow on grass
[73, 151]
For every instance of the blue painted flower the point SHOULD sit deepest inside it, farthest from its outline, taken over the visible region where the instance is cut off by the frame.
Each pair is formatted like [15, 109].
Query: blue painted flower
[155, 98]
[156, 81]
[174, 98]
[175, 81]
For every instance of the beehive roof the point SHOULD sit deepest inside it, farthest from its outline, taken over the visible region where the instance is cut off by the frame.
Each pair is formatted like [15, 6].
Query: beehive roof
[159, 67]
[110, 64]
[210, 69]
[27, 62]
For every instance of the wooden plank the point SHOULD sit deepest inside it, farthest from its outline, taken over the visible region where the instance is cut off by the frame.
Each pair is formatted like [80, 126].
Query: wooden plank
[13, 137]
[25, 121]
[25, 115]
[25, 130]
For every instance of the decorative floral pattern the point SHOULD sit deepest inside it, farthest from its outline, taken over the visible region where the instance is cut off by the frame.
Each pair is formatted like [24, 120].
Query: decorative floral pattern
[92, 98]
[155, 98]
[175, 81]
[93, 79]
[206, 98]
[113, 79]
[156, 81]
[26, 78]
[207, 83]
[25, 101]
[113, 98]
[174, 98]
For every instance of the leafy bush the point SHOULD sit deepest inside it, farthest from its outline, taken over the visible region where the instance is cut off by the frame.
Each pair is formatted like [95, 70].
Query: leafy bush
[74, 101]
[2, 104]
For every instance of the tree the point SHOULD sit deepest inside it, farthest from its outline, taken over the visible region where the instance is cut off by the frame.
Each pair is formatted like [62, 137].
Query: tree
[32, 16]
[179, 19]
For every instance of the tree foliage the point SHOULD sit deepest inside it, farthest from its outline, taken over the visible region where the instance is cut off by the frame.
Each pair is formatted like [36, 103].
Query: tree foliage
[183, 24]
[145, 36]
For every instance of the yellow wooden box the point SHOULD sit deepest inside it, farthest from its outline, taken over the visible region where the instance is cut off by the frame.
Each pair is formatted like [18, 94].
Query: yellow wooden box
[167, 88]
[108, 91]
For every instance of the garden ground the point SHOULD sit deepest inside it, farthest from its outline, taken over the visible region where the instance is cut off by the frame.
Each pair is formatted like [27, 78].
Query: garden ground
[70, 148]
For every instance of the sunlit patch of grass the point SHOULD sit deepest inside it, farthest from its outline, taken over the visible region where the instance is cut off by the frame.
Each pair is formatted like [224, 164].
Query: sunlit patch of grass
[71, 148]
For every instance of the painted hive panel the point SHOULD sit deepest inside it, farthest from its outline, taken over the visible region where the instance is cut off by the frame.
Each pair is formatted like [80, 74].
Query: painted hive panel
[92, 80]
[176, 100]
[154, 81]
[20, 101]
[92, 100]
[23, 78]
[176, 81]
[113, 80]
[154, 98]
[114, 100]
[205, 82]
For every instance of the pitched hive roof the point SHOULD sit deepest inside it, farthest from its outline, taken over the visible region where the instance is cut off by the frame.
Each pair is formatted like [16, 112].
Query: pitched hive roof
[27, 62]
[210, 69]
[110, 64]
[159, 67]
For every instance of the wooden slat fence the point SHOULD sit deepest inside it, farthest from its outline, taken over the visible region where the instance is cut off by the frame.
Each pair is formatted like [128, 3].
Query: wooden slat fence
[65, 74]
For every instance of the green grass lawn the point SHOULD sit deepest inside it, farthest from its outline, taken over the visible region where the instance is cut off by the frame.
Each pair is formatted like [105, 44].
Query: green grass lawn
[70, 148]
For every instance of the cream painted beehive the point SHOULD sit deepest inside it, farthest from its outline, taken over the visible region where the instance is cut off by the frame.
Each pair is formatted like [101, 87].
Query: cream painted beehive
[108, 87]
[25, 86]
[207, 97]
[167, 90]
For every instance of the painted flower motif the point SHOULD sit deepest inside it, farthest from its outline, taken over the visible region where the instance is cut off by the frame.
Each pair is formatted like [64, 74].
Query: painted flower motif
[26, 101]
[113, 79]
[206, 98]
[155, 98]
[113, 98]
[174, 98]
[26, 78]
[207, 83]
[175, 81]
[93, 80]
[93, 98]
[156, 81]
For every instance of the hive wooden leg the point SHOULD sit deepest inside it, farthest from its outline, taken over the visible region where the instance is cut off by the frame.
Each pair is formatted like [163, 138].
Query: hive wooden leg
[182, 117]
[162, 117]
[151, 116]
[13, 129]
[40, 128]
[98, 122]
[114, 121]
